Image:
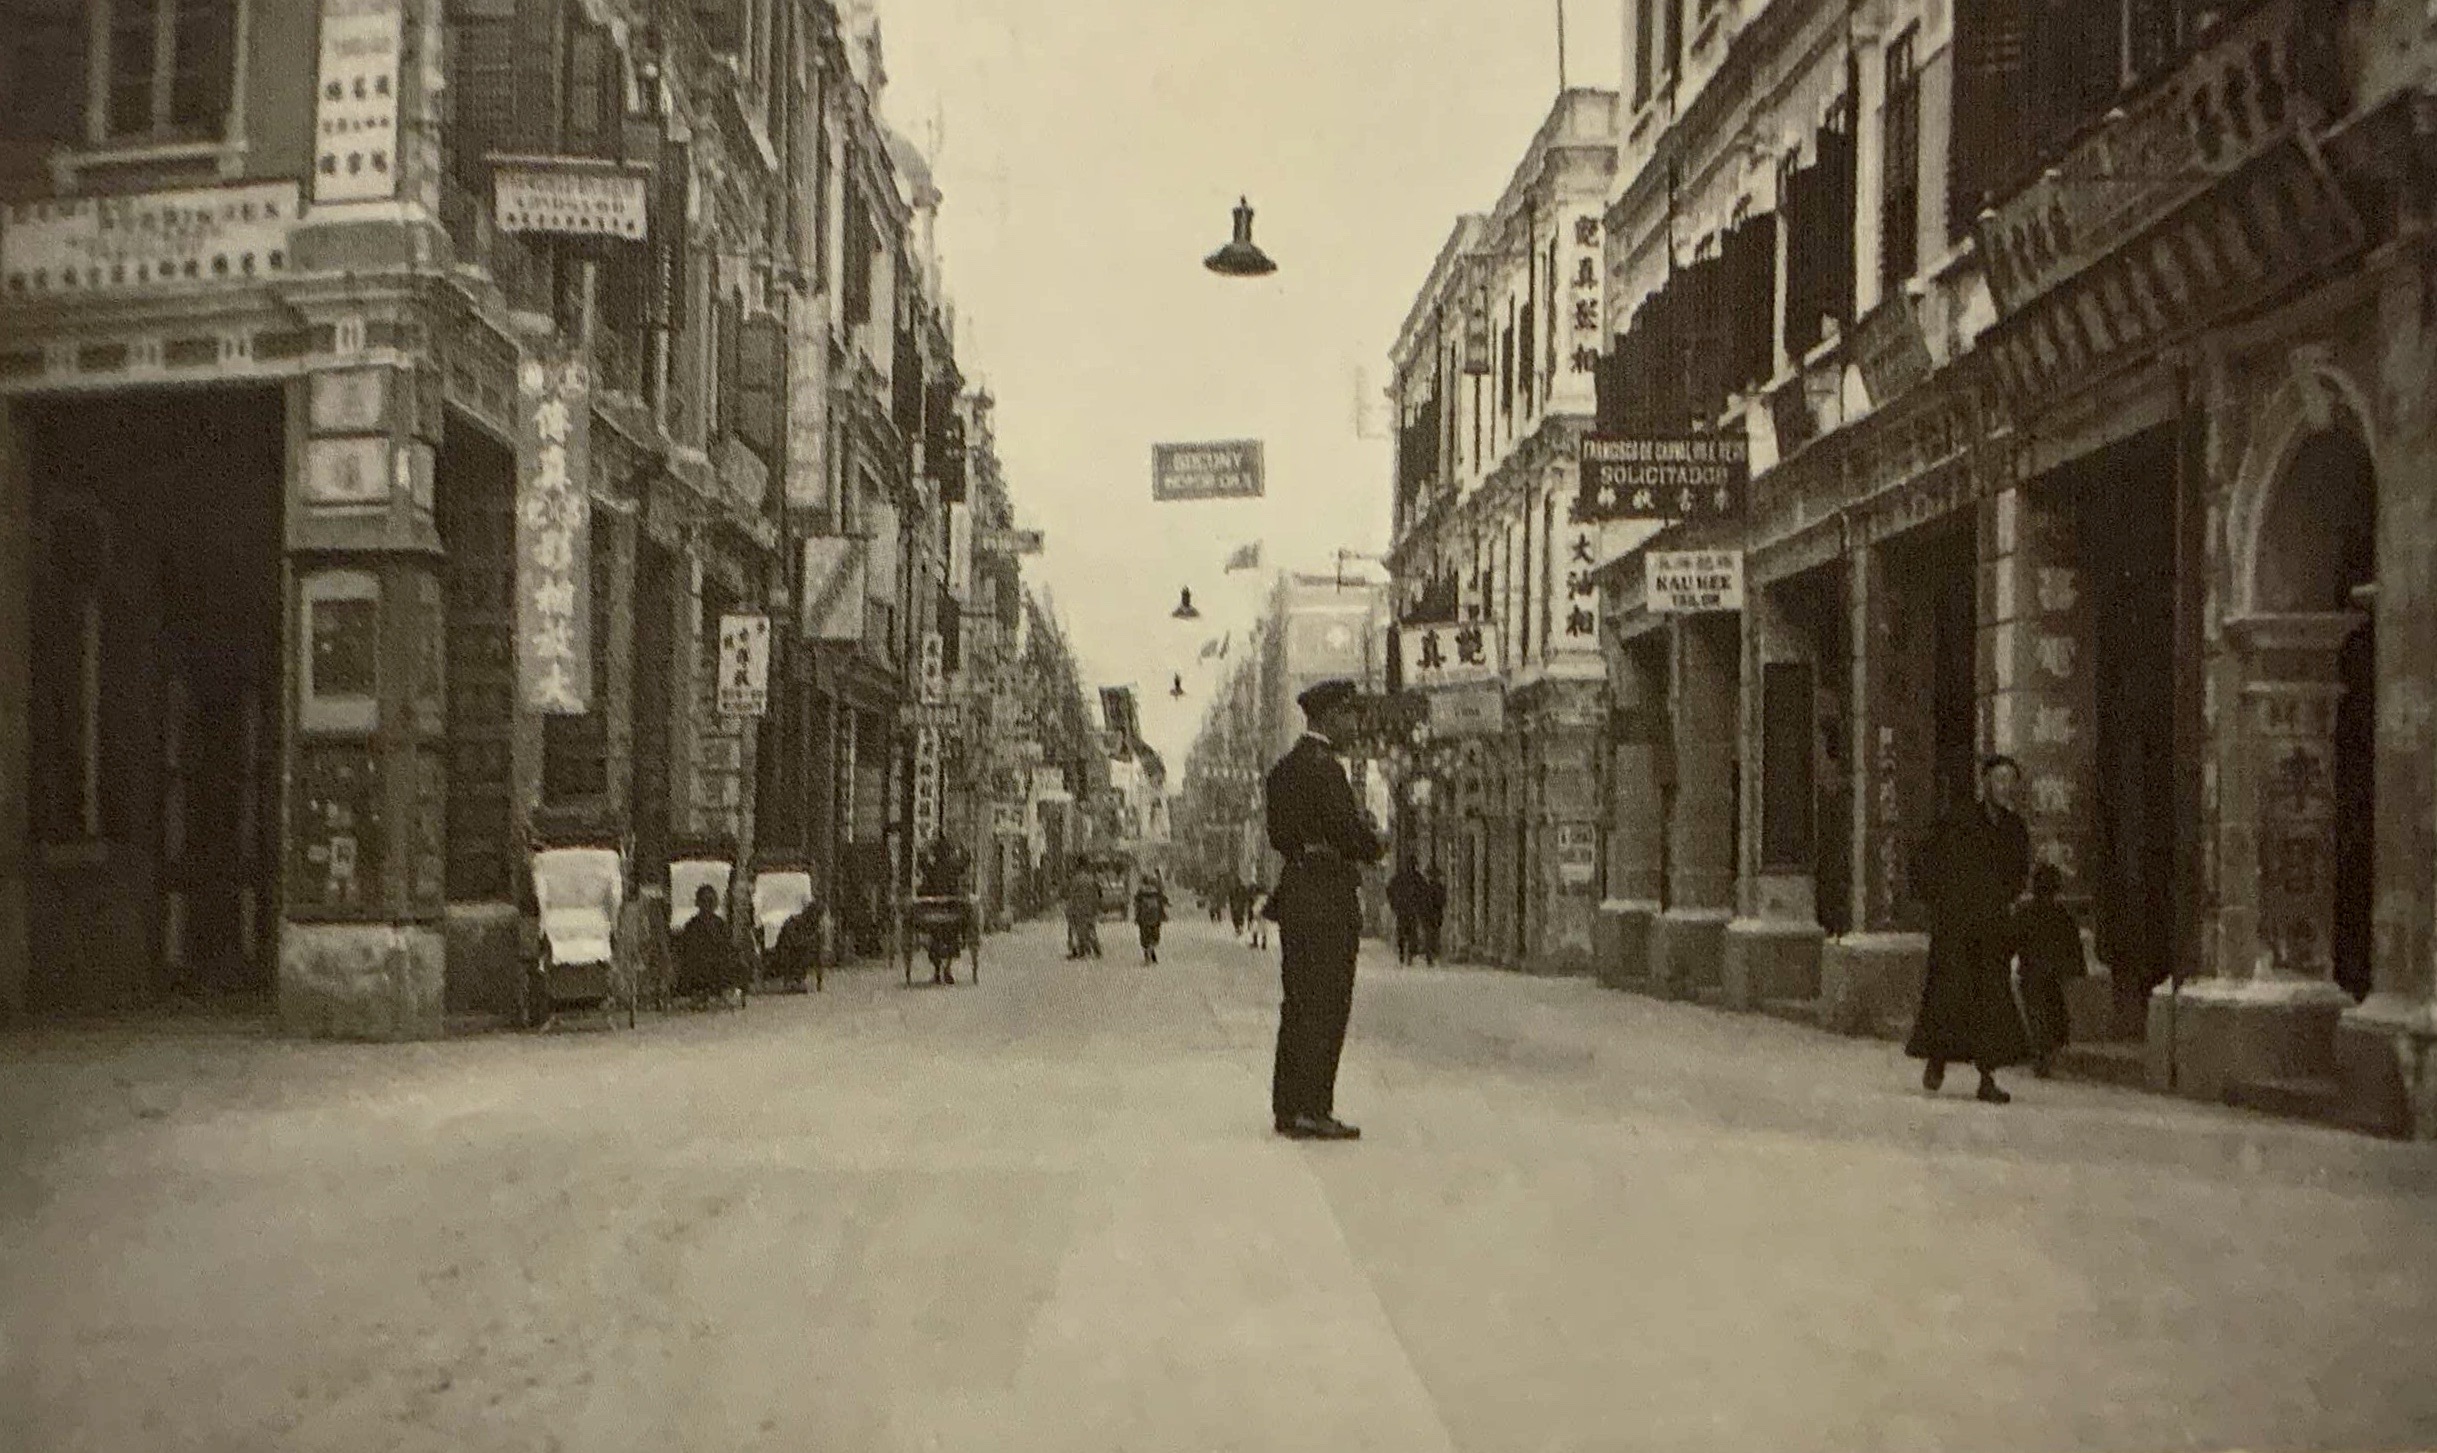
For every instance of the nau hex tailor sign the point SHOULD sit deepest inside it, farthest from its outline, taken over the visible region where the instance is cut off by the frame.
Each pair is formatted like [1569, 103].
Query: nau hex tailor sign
[1693, 477]
[1227, 470]
[1686, 582]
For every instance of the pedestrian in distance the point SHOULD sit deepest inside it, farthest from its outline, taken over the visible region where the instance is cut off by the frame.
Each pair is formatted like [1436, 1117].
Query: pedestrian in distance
[2048, 952]
[1970, 879]
[1257, 916]
[1434, 913]
[1407, 891]
[1083, 914]
[1150, 911]
[1326, 838]
[1239, 905]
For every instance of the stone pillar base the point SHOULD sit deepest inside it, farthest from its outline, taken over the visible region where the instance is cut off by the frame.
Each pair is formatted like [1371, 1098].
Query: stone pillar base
[2384, 1067]
[1766, 959]
[1687, 947]
[362, 980]
[1620, 942]
[489, 945]
[2225, 1033]
[1870, 983]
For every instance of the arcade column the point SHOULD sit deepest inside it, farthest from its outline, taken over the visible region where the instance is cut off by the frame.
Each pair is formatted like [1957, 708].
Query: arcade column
[1637, 746]
[1687, 941]
[361, 938]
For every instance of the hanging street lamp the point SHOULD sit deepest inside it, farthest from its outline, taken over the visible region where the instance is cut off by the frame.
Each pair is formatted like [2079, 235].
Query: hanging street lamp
[1240, 257]
[1184, 607]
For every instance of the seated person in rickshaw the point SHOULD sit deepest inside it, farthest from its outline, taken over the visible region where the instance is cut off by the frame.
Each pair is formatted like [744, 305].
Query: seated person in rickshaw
[796, 957]
[943, 869]
[705, 952]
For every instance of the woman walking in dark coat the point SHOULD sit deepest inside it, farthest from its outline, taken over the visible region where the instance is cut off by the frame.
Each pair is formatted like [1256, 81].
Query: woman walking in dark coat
[2048, 943]
[1973, 874]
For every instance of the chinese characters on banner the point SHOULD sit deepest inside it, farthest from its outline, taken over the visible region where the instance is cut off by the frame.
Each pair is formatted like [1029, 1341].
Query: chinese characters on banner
[1691, 478]
[554, 538]
[1574, 623]
[1583, 295]
[1448, 653]
[926, 784]
[1690, 582]
[744, 665]
[934, 668]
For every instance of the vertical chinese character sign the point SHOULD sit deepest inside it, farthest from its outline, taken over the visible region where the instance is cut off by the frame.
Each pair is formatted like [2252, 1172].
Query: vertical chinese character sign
[355, 114]
[1574, 623]
[553, 538]
[926, 784]
[744, 665]
[1583, 325]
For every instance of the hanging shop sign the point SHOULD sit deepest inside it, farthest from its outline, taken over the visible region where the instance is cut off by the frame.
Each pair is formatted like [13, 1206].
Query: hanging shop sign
[1227, 470]
[569, 197]
[931, 715]
[834, 589]
[1574, 624]
[993, 541]
[926, 784]
[1583, 306]
[1687, 582]
[1577, 853]
[1889, 350]
[554, 536]
[744, 665]
[1447, 653]
[1474, 710]
[147, 239]
[934, 667]
[355, 111]
[1688, 477]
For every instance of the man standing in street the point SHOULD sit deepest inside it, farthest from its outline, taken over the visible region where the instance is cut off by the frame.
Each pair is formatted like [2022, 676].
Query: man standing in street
[1434, 914]
[1325, 837]
[1970, 879]
[1406, 893]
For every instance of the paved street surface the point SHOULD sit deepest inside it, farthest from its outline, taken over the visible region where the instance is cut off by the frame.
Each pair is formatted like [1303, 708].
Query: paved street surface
[1047, 1213]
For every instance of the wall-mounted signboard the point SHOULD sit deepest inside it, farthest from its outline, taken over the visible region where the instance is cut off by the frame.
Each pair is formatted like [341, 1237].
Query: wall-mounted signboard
[1686, 582]
[568, 197]
[1690, 477]
[76, 245]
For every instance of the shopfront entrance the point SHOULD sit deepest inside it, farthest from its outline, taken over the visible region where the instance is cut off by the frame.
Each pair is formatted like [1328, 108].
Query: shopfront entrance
[154, 690]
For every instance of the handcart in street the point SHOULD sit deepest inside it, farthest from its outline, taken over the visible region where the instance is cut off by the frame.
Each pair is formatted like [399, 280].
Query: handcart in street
[946, 926]
[782, 889]
[583, 959]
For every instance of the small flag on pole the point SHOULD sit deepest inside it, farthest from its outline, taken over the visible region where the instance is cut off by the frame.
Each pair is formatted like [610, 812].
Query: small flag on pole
[1246, 557]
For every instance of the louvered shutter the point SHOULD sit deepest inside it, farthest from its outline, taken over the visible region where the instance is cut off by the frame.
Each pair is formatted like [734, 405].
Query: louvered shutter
[724, 410]
[537, 61]
[761, 377]
[1990, 51]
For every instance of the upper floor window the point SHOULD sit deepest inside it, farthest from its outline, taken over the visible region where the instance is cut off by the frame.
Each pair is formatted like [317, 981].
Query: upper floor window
[42, 69]
[165, 68]
[1900, 189]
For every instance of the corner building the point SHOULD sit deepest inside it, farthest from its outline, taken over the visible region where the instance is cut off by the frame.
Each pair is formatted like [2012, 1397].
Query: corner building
[2116, 466]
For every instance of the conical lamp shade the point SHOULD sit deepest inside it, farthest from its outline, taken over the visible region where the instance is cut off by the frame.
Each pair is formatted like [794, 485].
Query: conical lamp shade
[1240, 258]
[1184, 607]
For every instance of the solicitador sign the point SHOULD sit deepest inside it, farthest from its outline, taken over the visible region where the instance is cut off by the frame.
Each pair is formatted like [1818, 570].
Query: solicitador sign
[1687, 582]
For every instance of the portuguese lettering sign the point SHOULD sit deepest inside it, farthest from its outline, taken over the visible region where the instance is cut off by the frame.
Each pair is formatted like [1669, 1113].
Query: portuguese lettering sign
[147, 239]
[1228, 470]
[568, 197]
[1686, 582]
[1696, 477]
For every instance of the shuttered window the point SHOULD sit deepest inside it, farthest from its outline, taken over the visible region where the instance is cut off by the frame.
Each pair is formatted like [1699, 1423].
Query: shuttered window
[1900, 172]
[759, 387]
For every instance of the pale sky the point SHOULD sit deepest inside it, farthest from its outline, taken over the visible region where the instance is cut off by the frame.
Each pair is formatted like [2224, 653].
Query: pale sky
[1093, 149]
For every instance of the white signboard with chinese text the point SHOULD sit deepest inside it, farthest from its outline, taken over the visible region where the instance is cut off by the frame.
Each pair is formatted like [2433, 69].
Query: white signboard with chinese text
[926, 784]
[934, 667]
[568, 197]
[1448, 653]
[355, 112]
[1686, 582]
[744, 665]
[554, 537]
[1572, 593]
[1581, 327]
[147, 239]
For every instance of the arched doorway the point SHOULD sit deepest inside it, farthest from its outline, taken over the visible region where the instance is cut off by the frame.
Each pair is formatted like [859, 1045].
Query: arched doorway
[2317, 556]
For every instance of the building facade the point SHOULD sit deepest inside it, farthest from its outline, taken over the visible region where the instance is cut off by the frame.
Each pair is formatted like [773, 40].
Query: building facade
[2090, 428]
[1494, 387]
[397, 402]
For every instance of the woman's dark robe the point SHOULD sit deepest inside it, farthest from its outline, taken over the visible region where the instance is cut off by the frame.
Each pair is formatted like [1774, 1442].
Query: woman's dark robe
[1974, 871]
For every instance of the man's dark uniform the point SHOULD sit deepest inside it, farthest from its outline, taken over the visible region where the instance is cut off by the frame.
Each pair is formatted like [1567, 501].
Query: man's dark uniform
[1324, 837]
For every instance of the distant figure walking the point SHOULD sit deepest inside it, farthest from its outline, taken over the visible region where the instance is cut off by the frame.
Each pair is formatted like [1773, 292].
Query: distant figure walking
[1150, 911]
[1257, 914]
[1408, 891]
[1434, 913]
[2048, 946]
[1083, 914]
[1970, 879]
[1239, 905]
[1326, 837]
